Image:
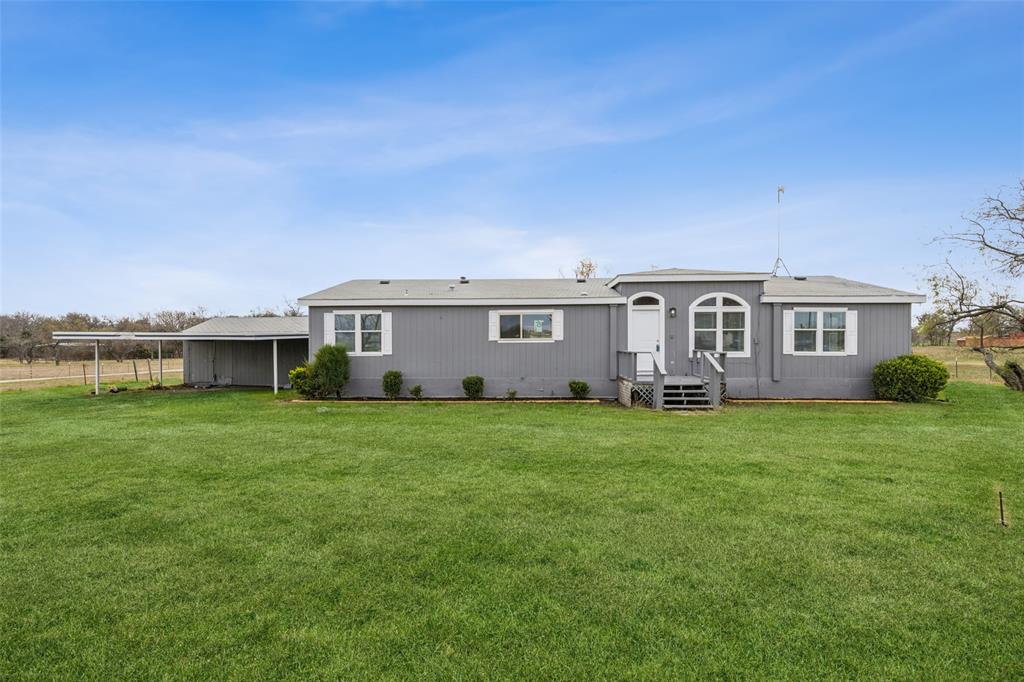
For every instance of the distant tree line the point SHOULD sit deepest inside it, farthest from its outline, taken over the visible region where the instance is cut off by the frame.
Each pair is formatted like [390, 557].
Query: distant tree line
[27, 337]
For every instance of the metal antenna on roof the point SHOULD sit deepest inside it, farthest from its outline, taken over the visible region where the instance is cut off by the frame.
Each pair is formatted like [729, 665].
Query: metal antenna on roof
[779, 263]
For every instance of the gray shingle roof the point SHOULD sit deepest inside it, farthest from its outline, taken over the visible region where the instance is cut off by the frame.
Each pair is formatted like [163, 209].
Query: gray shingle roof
[259, 326]
[826, 285]
[692, 272]
[451, 289]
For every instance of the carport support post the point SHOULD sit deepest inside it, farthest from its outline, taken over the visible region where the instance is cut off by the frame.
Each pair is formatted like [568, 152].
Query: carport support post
[160, 361]
[275, 366]
[96, 345]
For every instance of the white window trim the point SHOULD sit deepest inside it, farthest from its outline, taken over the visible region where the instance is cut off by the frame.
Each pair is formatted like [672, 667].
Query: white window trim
[359, 331]
[695, 307]
[534, 311]
[819, 338]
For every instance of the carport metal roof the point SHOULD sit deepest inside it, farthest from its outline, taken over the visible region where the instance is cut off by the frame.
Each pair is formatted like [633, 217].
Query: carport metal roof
[215, 329]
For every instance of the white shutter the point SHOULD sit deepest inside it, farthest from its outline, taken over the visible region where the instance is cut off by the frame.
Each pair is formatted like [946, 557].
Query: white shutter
[556, 325]
[492, 326]
[851, 332]
[385, 335]
[787, 332]
[328, 329]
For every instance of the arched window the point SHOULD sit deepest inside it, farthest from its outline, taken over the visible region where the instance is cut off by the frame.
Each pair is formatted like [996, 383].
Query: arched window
[720, 323]
[646, 300]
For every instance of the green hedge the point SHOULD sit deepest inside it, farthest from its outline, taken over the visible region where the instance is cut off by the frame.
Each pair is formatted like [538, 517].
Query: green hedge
[473, 386]
[325, 377]
[579, 389]
[392, 383]
[909, 378]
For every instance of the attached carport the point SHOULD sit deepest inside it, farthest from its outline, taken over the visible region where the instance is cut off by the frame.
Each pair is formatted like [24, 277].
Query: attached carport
[240, 351]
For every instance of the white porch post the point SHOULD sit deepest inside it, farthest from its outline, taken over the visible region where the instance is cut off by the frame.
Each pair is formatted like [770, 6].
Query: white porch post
[160, 361]
[275, 366]
[96, 345]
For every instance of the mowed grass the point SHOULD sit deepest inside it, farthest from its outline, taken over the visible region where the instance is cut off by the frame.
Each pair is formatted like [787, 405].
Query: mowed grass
[230, 535]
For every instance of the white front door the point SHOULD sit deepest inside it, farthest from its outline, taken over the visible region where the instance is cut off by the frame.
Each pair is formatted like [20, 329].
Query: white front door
[645, 335]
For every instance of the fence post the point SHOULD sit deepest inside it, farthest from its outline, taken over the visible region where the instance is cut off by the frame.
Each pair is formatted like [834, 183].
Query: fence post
[149, 366]
[85, 379]
[135, 369]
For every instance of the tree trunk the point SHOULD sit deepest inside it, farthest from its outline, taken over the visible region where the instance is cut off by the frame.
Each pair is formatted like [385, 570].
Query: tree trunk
[1011, 372]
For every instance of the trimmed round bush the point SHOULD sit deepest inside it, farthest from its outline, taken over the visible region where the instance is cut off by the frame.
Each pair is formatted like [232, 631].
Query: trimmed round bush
[579, 389]
[392, 383]
[473, 387]
[416, 391]
[909, 378]
[329, 371]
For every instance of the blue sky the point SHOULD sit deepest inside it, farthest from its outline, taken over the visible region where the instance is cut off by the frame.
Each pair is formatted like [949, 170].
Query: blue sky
[232, 156]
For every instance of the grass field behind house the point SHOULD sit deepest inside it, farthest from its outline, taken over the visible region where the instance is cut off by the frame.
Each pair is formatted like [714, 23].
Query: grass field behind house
[225, 534]
[18, 376]
[965, 364]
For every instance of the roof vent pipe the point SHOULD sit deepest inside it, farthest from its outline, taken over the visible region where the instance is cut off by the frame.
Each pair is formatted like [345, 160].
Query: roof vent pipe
[385, 281]
[463, 280]
[581, 279]
[451, 287]
[800, 278]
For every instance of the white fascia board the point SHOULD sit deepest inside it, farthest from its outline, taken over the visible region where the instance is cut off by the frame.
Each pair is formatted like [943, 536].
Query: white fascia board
[398, 302]
[170, 336]
[242, 337]
[908, 298]
[641, 279]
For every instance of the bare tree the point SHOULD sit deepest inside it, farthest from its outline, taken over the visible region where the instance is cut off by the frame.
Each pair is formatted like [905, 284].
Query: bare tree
[585, 269]
[20, 335]
[996, 232]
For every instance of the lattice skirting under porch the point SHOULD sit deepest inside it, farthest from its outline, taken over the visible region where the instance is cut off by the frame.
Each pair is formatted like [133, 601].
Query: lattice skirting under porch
[643, 394]
[635, 394]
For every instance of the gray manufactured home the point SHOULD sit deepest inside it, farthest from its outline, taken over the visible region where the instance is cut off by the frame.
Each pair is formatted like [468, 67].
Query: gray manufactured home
[671, 338]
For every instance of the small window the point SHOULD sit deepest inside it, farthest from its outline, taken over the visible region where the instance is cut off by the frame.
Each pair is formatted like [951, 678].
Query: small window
[646, 300]
[833, 332]
[805, 331]
[525, 326]
[345, 331]
[734, 327]
[511, 326]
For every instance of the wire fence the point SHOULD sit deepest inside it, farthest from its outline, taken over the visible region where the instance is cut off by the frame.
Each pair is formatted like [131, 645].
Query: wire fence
[65, 373]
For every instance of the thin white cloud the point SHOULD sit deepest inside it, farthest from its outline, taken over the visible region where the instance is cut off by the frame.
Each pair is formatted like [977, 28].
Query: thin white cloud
[221, 213]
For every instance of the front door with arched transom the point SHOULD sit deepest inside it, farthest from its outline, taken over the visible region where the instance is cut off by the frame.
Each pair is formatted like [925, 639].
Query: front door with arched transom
[647, 331]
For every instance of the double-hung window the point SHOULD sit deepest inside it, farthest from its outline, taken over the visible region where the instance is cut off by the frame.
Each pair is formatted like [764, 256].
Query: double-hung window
[362, 332]
[720, 323]
[820, 331]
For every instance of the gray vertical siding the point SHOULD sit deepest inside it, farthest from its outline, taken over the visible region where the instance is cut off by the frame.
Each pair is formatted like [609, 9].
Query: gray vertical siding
[241, 363]
[883, 332]
[437, 346]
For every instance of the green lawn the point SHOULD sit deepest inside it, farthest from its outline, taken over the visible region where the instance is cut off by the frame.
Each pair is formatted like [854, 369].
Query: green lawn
[226, 534]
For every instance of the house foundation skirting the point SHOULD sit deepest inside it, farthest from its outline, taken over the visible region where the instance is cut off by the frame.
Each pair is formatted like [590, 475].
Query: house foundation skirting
[625, 392]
